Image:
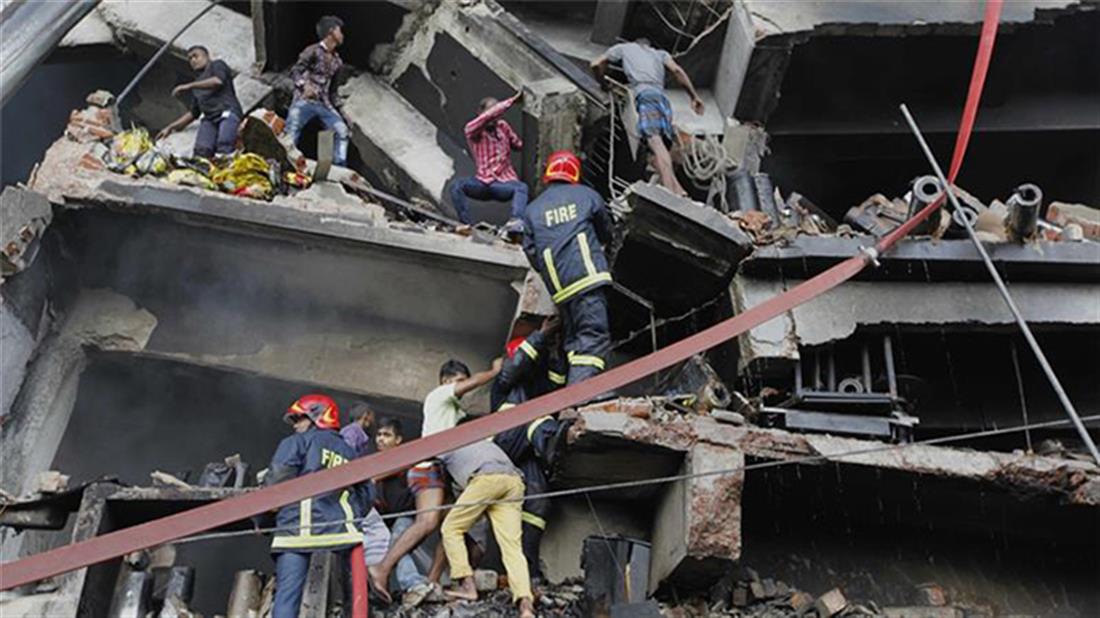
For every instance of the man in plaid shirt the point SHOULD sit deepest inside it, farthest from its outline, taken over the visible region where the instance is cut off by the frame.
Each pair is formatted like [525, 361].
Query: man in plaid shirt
[313, 76]
[491, 141]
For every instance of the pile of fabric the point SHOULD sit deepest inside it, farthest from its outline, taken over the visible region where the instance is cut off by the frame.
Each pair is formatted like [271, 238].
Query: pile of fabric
[243, 174]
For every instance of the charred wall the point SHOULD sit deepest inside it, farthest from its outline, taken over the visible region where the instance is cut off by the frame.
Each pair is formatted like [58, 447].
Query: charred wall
[878, 534]
[137, 413]
[829, 120]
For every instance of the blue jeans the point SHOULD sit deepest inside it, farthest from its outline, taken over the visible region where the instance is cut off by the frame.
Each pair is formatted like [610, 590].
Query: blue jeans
[406, 572]
[302, 112]
[217, 134]
[290, 579]
[469, 186]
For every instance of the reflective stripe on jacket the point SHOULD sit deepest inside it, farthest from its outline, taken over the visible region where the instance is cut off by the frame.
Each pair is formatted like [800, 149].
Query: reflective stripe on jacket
[324, 521]
[567, 228]
[532, 371]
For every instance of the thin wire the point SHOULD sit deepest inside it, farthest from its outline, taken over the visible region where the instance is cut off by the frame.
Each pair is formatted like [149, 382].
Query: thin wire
[606, 540]
[657, 480]
[661, 323]
[1031, 341]
[1020, 388]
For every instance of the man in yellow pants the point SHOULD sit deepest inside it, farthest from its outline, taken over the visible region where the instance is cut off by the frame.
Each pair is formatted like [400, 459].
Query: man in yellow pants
[485, 474]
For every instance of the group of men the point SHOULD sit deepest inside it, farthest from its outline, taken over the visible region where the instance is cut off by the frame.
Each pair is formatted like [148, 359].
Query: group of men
[565, 231]
[490, 139]
[215, 103]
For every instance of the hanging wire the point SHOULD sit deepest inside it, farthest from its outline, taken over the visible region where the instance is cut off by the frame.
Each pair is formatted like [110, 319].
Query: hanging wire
[1020, 388]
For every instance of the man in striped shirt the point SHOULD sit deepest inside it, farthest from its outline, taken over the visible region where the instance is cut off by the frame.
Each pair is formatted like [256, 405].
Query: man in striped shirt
[491, 141]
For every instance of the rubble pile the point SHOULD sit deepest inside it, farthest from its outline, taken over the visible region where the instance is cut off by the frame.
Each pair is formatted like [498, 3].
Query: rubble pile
[243, 174]
[554, 601]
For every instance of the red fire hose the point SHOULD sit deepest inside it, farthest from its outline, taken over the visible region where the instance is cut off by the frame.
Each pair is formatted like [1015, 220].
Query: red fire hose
[165, 530]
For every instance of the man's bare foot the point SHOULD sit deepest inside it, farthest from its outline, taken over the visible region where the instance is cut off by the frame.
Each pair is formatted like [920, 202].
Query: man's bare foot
[379, 583]
[466, 590]
[526, 608]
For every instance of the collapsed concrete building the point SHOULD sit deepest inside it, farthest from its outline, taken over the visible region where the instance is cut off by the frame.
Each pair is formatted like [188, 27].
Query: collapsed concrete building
[150, 327]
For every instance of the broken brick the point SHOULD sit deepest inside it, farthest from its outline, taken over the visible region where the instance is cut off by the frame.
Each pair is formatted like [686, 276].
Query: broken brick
[740, 596]
[90, 162]
[800, 600]
[485, 580]
[1062, 214]
[831, 603]
[52, 482]
[770, 589]
[932, 595]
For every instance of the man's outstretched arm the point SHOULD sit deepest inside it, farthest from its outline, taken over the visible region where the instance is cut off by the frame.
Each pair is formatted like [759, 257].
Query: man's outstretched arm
[681, 76]
[491, 114]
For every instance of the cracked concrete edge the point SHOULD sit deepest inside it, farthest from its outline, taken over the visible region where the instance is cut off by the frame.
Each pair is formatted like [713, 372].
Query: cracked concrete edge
[227, 33]
[838, 314]
[416, 38]
[402, 142]
[66, 182]
[1072, 481]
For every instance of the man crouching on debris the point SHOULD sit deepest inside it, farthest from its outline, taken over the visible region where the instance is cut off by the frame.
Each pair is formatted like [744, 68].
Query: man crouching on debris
[485, 474]
[313, 76]
[567, 228]
[645, 70]
[214, 101]
[491, 140]
[322, 523]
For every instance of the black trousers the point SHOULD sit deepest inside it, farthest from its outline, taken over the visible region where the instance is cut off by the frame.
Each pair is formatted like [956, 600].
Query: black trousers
[587, 334]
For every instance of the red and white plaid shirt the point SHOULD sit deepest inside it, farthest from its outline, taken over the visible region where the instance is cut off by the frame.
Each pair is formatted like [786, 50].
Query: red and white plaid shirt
[491, 141]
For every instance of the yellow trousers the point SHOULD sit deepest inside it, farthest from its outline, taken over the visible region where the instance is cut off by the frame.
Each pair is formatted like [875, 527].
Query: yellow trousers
[507, 521]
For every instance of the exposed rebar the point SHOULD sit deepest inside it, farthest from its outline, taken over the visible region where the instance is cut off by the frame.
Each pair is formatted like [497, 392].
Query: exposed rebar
[1055, 383]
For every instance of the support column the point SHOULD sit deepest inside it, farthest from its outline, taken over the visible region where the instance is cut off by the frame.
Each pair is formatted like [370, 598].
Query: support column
[697, 528]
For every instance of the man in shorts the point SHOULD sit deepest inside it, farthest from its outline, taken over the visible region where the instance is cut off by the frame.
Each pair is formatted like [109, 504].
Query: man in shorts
[645, 70]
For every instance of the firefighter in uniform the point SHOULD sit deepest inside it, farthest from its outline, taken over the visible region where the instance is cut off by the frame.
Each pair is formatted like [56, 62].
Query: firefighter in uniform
[531, 368]
[321, 523]
[566, 230]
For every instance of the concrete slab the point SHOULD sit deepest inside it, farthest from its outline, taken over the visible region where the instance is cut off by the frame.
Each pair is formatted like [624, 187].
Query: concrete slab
[92, 30]
[226, 33]
[446, 61]
[675, 253]
[398, 143]
[924, 259]
[780, 16]
[837, 315]
[1068, 481]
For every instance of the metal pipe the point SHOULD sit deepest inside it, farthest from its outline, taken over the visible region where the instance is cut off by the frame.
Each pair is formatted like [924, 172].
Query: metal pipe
[1023, 212]
[149, 65]
[891, 375]
[865, 361]
[1038, 351]
[31, 31]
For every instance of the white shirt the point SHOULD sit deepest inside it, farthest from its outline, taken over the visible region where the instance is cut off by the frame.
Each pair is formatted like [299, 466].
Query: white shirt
[442, 410]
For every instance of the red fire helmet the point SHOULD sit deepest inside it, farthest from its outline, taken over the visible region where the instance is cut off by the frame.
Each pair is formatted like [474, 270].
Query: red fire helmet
[564, 166]
[321, 409]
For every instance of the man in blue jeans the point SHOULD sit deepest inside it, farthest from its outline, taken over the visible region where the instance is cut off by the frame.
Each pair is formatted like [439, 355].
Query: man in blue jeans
[491, 140]
[313, 77]
[214, 102]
